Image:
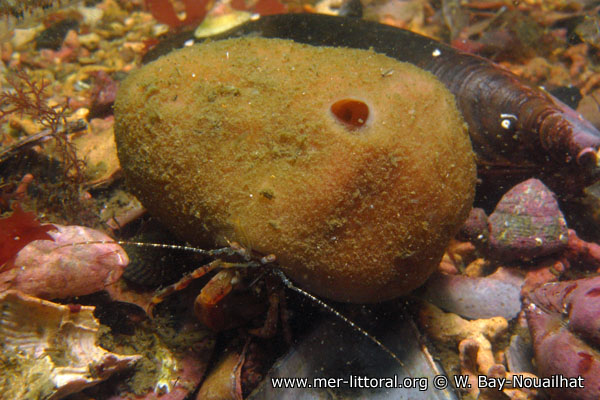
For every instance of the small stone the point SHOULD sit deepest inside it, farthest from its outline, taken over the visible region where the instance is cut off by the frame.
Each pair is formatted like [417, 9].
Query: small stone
[477, 297]
[6, 50]
[103, 93]
[72, 40]
[80, 113]
[90, 41]
[476, 228]
[91, 15]
[52, 37]
[136, 47]
[159, 30]
[23, 36]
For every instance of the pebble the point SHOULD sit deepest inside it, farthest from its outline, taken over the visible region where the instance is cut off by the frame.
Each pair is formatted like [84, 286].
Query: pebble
[53, 37]
[21, 37]
[90, 41]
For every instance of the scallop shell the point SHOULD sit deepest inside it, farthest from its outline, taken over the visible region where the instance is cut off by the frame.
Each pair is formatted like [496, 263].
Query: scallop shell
[49, 350]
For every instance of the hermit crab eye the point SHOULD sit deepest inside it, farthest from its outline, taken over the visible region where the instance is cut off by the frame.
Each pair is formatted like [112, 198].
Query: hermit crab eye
[350, 112]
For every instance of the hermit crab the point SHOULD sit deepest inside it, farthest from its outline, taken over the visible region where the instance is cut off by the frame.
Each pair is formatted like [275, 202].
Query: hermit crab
[217, 304]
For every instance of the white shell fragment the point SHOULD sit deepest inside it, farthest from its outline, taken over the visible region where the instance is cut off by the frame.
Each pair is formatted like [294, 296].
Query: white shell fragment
[213, 25]
[49, 350]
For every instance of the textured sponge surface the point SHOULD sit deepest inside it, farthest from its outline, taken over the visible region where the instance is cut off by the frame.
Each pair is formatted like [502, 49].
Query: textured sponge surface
[354, 169]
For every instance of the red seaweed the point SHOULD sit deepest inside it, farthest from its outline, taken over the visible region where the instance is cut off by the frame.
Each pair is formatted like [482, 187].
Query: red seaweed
[17, 231]
[29, 97]
[163, 12]
[196, 10]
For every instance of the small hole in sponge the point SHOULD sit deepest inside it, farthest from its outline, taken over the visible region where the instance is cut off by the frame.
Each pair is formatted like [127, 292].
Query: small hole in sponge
[352, 113]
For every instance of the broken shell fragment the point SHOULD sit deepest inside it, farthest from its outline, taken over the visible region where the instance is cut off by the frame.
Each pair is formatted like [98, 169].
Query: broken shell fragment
[527, 223]
[49, 350]
[174, 356]
[68, 266]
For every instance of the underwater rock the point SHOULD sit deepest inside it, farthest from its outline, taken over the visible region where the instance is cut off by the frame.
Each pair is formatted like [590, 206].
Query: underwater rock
[53, 36]
[67, 266]
[494, 295]
[352, 168]
[476, 228]
[103, 93]
[49, 350]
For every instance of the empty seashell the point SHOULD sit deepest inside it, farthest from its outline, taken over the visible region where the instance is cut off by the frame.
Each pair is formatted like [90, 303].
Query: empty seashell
[49, 350]
[67, 266]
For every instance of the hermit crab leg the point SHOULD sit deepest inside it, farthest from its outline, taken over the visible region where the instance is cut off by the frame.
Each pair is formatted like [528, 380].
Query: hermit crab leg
[233, 249]
[510, 123]
[277, 310]
[187, 279]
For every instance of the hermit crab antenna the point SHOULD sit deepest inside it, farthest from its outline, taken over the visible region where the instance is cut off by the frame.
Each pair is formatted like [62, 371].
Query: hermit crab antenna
[335, 312]
[228, 251]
